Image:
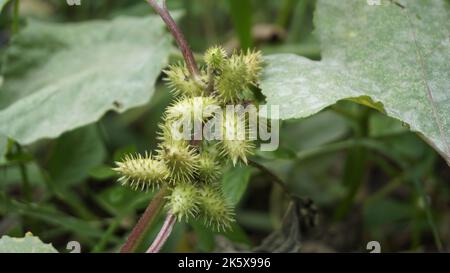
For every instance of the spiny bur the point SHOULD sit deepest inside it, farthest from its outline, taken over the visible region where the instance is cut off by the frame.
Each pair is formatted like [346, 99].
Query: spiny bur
[180, 158]
[208, 168]
[192, 170]
[183, 201]
[195, 108]
[180, 83]
[215, 209]
[215, 57]
[141, 172]
[236, 143]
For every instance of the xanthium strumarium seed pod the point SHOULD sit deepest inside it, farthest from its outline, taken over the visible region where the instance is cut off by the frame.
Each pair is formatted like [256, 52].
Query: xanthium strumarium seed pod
[216, 211]
[180, 159]
[215, 57]
[253, 62]
[232, 82]
[181, 164]
[178, 80]
[236, 143]
[141, 172]
[208, 168]
[183, 201]
[190, 109]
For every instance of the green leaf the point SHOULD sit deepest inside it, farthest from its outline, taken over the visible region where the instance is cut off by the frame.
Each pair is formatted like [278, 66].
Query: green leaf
[381, 126]
[391, 57]
[386, 212]
[2, 4]
[102, 172]
[235, 182]
[118, 199]
[27, 244]
[205, 237]
[241, 15]
[75, 154]
[237, 234]
[3, 148]
[59, 77]
[83, 229]
[120, 153]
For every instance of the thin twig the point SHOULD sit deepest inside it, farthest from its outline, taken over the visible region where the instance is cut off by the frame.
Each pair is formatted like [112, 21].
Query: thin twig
[178, 35]
[274, 177]
[163, 234]
[143, 225]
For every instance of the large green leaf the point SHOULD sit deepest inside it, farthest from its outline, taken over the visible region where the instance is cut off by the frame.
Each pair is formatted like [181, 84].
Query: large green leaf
[235, 182]
[75, 154]
[3, 148]
[27, 244]
[62, 76]
[394, 57]
[3, 3]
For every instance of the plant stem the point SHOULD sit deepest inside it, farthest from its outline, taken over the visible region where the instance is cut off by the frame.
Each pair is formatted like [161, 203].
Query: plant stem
[138, 233]
[284, 14]
[179, 37]
[178, 57]
[163, 234]
[355, 167]
[15, 25]
[274, 177]
[26, 188]
[143, 225]
[428, 213]
[241, 16]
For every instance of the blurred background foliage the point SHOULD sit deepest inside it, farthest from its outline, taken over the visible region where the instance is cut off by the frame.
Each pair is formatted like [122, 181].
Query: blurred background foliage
[368, 176]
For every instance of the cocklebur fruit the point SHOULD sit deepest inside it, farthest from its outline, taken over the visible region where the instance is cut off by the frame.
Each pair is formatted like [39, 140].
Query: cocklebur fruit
[183, 201]
[253, 62]
[195, 108]
[214, 208]
[215, 57]
[180, 158]
[181, 84]
[141, 172]
[231, 84]
[181, 161]
[208, 168]
[236, 143]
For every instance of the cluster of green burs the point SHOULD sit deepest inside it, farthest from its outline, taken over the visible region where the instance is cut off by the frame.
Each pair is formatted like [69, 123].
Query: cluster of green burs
[192, 169]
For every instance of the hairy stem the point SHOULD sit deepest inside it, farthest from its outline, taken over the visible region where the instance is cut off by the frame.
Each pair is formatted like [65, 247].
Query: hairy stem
[140, 230]
[178, 35]
[163, 234]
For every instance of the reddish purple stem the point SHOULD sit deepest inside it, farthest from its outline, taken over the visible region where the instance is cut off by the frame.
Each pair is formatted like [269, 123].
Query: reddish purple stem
[163, 234]
[178, 35]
